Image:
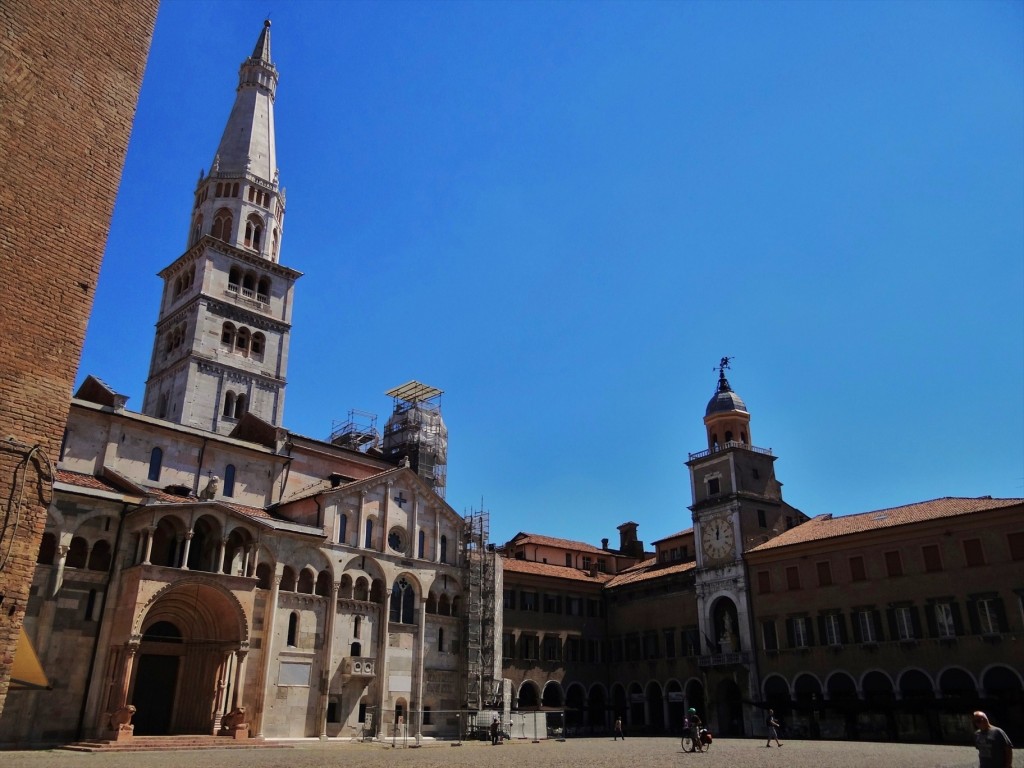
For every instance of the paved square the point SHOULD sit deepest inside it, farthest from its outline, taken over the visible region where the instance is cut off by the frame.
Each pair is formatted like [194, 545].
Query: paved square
[574, 753]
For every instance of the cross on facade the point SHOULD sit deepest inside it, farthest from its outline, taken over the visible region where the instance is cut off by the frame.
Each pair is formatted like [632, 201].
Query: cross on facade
[400, 500]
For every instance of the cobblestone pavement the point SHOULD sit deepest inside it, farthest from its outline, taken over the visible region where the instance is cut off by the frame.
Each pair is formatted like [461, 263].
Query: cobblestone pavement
[574, 753]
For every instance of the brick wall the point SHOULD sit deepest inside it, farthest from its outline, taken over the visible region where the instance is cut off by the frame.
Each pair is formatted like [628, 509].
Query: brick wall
[70, 72]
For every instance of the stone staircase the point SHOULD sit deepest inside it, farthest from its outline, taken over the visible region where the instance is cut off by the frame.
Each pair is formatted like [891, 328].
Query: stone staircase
[170, 743]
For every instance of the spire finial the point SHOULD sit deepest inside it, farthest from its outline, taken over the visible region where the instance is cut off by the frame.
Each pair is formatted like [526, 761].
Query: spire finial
[723, 366]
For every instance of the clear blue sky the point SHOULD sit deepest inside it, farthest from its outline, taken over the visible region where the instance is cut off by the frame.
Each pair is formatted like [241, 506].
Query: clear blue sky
[564, 213]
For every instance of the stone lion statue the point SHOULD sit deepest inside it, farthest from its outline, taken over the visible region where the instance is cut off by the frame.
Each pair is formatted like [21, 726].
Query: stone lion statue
[121, 719]
[234, 719]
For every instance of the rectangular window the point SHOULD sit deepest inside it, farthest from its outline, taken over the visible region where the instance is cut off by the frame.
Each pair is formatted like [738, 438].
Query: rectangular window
[764, 582]
[586, 562]
[799, 625]
[650, 646]
[670, 644]
[1016, 541]
[905, 623]
[602, 566]
[833, 633]
[426, 716]
[793, 577]
[552, 649]
[528, 601]
[857, 569]
[762, 519]
[973, 554]
[866, 626]
[440, 639]
[944, 620]
[362, 712]
[510, 600]
[825, 574]
[572, 649]
[988, 617]
[714, 486]
[529, 645]
[550, 604]
[893, 563]
[932, 558]
[768, 636]
[568, 560]
[508, 645]
[591, 608]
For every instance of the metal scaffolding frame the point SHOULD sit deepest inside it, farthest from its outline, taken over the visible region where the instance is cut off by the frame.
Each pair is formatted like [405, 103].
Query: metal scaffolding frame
[482, 675]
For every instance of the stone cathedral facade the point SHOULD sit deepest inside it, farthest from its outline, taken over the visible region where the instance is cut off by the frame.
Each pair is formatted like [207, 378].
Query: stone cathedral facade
[203, 570]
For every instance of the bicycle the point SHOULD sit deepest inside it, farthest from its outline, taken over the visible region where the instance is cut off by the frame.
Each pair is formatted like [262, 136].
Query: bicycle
[689, 745]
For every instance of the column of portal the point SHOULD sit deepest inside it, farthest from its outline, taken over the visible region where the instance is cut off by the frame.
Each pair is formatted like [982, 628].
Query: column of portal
[267, 649]
[327, 664]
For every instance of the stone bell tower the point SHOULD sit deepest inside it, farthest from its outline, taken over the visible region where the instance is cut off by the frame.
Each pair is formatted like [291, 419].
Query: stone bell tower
[221, 346]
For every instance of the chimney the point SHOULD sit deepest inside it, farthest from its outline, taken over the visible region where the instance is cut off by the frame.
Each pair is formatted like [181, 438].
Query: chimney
[604, 544]
[335, 479]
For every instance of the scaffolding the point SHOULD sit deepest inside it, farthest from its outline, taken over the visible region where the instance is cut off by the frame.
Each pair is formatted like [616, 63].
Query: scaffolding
[415, 430]
[482, 631]
[358, 432]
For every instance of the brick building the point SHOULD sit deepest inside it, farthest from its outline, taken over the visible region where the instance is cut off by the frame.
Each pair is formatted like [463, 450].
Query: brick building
[892, 624]
[70, 73]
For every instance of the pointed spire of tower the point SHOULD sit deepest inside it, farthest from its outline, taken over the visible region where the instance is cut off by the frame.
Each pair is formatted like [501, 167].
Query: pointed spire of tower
[248, 145]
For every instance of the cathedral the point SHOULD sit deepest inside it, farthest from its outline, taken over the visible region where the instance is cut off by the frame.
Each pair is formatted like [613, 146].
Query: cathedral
[204, 570]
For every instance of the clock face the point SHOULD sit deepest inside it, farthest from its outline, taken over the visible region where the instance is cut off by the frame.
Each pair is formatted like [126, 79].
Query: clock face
[717, 537]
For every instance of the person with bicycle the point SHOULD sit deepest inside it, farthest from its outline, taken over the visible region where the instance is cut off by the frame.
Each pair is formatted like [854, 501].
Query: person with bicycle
[695, 725]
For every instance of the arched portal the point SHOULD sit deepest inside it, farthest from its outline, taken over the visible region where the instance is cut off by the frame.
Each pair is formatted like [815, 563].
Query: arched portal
[187, 654]
[729, 709]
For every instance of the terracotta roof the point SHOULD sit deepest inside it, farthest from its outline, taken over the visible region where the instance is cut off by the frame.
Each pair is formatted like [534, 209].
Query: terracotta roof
[828, 527]
[81, 480]
[512, 565]
[250, 511]
[674, 535]
[649, 569]
[549, 541]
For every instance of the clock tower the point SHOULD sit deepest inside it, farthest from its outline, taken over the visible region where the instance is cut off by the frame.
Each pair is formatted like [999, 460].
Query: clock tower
[737, 505]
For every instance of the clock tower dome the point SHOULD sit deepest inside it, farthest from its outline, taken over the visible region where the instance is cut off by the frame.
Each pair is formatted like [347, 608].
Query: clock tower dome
[737, 505]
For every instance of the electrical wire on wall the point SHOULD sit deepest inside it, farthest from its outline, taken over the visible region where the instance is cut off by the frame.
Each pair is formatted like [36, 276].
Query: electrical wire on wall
[12, 520]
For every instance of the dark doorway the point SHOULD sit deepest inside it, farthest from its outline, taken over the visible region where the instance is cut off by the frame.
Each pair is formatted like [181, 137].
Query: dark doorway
[154, 699]
[730, 709]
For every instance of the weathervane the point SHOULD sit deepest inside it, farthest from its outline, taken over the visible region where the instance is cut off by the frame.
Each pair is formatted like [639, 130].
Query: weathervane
[723, 365]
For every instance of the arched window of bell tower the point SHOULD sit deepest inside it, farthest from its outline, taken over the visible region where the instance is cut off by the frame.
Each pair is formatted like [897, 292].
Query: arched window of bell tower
[240, 406]
[229, 404]
[263, 290]
[728, 436]
[242, 341]
[222, 225]
[273, 245]
[258, 344]
[253, 232]
[227, 336]
[197, 230]
[743, 437]
[234, 279]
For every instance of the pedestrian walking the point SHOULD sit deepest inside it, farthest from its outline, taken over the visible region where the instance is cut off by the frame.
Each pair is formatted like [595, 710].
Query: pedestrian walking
[618, 730]
[773, 728]
[494, 731]
[994, 747]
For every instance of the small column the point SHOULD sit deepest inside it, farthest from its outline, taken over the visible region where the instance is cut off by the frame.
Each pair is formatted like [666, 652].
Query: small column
[220, 554]
[58, 577]
[188, 546]
[251, 560]
[437, 536]
[148, 552]
[236, 696]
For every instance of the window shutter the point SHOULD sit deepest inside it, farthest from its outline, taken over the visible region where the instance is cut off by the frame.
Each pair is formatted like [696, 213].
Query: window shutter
[958, 623]
[972, 617]
[933, 625]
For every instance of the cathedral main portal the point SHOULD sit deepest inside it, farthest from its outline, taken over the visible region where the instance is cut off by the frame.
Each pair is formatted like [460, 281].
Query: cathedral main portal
[189, 660]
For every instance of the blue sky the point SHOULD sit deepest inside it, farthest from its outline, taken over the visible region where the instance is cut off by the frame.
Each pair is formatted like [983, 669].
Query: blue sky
[564, 213]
